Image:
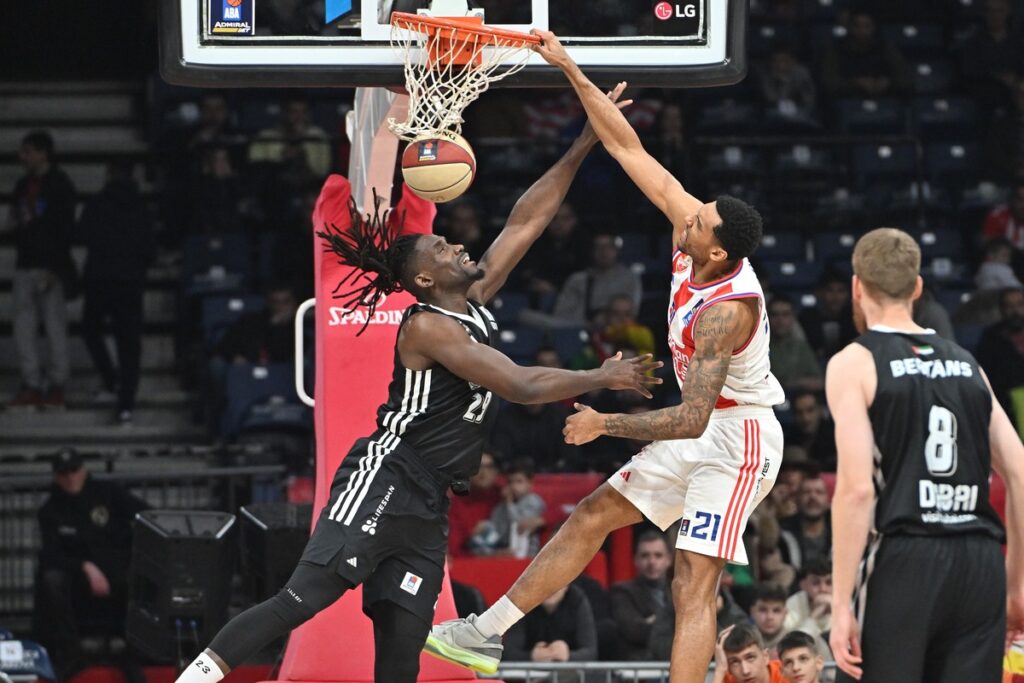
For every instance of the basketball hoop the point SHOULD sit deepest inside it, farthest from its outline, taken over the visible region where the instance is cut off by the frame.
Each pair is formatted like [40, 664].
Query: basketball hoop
[450, 62]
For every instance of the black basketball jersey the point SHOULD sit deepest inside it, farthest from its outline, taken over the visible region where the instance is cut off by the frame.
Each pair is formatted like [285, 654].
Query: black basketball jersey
[930, 418]
[440, 416]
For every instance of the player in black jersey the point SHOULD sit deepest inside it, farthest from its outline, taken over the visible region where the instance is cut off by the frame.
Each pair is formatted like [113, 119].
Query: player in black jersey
[385, 523]
[920, 590]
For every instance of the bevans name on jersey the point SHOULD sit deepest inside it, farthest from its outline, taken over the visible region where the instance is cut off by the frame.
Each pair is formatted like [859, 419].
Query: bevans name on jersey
[932, 369]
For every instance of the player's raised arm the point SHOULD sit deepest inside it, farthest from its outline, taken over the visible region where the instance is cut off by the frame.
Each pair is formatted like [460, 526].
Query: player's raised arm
[717, 332]
[429, 339]
[1008, 461]
[534, 211]
[848, 400]
[619, 138]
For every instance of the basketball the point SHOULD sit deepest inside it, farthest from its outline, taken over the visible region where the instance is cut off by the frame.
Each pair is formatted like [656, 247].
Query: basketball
[439, 166]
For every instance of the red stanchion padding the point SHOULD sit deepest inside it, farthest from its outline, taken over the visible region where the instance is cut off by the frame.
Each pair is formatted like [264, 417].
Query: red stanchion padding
[352, 375]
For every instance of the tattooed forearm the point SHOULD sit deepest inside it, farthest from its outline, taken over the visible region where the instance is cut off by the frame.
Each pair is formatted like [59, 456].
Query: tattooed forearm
[715, 336]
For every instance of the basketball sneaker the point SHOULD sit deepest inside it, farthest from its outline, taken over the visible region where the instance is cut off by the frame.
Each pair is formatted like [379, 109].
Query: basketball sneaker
[458, 641]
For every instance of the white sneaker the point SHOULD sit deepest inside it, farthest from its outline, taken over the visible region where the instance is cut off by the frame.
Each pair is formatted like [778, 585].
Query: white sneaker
[458, 641]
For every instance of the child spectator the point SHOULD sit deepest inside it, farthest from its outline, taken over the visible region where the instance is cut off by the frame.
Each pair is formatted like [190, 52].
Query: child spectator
[741, 657]
[801, 660]
[810, 609]
[515, 522]
[769, 615]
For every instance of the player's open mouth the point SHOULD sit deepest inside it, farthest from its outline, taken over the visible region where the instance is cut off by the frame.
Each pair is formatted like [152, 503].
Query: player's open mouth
[466, 260]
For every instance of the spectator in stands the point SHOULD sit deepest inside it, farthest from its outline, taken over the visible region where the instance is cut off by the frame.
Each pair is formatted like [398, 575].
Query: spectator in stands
[793, 361]
[468, 599]
[601, 607]
[782, 499]
[640, 603]
[560, 630]
[1007, 220]
[667, 142]
[295, 138]
[829, 325]
[536, 429]
[741, 657]
[807, 536]
[216, 199]
[117, 231]
[1004, 149]
[615, 328]
[214, 126]
[463, 227]
[1001, 354]
[470, 513]
[515, 523]
[810, 609]
[813, 430]
[930, 314]
[996, 270]
[863, 63]
[802, 662]
[560, 251]
[587, 293]
[82, 580]
[993, 58]
[266, 336]
[43, 216]
[785, 84]
[769, 615]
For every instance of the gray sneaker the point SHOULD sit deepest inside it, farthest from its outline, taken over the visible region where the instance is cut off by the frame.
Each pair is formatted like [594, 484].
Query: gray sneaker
[458, 641]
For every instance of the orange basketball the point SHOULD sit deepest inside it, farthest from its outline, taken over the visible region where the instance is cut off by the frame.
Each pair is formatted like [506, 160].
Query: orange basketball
[439, 166]
[234, 3]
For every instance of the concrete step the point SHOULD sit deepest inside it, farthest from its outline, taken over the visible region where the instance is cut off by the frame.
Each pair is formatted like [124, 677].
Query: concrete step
[9, 88]
[95, 426]
[85, 382]
[87, 177]
[103, 140]
[158, 307]
[42, 108]
[157, 353]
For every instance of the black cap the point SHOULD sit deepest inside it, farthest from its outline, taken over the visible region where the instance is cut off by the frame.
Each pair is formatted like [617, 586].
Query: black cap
[66, 460]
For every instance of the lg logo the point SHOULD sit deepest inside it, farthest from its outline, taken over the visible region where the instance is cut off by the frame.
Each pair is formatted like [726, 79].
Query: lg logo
[665, 11]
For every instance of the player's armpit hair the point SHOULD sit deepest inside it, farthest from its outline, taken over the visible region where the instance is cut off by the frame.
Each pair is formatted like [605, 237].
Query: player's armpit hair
[377, 251]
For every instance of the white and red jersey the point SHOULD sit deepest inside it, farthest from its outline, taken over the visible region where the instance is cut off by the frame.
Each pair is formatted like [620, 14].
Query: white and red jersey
[749, 381]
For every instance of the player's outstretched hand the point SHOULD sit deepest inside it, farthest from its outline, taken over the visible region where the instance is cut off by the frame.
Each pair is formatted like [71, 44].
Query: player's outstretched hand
[845, 641]
[583, 427]
[551, 49]
[631, 374]
[588, 135]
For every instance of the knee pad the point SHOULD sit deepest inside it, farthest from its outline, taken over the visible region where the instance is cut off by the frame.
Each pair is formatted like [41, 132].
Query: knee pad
[292, 609]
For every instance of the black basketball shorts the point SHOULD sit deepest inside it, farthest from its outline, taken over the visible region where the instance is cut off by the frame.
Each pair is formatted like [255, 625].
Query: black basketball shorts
[932, 609]
[385, 526]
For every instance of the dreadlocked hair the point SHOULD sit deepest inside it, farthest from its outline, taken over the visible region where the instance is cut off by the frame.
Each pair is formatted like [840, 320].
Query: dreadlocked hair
[376, 250]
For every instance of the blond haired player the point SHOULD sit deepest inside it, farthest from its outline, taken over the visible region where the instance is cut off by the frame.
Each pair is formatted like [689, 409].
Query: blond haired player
[715, 455]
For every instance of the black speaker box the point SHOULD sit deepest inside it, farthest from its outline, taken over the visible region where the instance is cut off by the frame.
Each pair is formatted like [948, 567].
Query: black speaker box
[273, 537]
[182, 563]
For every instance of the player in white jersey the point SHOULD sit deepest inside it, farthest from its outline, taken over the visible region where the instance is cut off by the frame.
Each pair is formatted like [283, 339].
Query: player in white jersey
[715, 455]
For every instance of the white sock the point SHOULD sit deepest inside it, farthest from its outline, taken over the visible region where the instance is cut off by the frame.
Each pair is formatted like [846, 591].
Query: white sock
[202, 670]
[501, 616]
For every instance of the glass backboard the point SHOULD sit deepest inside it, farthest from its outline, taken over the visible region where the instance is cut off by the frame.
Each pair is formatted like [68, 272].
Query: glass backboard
[347, 42]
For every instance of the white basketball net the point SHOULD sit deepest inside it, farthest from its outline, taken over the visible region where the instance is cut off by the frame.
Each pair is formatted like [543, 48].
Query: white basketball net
[439, 89]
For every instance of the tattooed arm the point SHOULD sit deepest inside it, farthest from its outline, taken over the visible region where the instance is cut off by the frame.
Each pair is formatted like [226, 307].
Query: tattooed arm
[718, 332]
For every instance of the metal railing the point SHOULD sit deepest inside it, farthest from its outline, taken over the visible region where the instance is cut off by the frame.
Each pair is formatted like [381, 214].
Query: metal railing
[599, 672]
[194, 489]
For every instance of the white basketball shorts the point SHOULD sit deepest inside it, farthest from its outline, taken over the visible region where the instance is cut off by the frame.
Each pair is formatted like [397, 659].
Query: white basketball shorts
[712, 482]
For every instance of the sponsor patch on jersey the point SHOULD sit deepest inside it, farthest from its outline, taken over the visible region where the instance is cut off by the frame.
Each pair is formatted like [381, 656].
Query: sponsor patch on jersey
[923, 350]
[411, 583]
[684, 527]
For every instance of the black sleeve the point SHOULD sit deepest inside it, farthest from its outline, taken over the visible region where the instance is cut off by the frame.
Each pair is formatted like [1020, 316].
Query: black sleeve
[517, 645]
[584, 647]
[633, 626]
[127, 503]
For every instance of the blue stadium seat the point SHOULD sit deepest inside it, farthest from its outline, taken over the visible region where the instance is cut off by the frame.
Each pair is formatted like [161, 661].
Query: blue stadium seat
[255, 115]
[634, 247]
[953, 299]
[212, 264]
[791, 276]
[834, 246]
[761, 39]
[568, 342]
[726, 116]
[250, 385]
[933, 76]
[782, 246]
[884, 163]
[871, 116]
[803, 159]
[945, 117]
[520, 343]
[733, 161]
[938, 243]
[823, 10]
[507, 306]
[823, 35]
[219, 312]
[953, 162]
[916, 40]
[968, 336]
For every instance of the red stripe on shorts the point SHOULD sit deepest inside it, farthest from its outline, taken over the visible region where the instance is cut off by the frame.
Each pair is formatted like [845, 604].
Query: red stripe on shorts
[735, 489]
[748, 486]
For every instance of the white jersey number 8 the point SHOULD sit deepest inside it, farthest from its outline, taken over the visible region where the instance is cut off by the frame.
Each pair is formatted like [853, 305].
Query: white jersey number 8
[940, 449]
